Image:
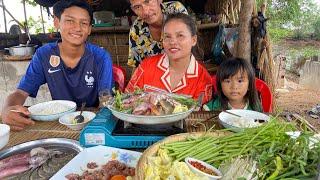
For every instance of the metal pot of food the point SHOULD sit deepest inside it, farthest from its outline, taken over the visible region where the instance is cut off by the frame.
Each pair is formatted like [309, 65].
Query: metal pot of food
[22, 50]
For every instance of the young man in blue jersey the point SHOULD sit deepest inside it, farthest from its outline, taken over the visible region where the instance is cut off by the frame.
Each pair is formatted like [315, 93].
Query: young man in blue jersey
[73, 68]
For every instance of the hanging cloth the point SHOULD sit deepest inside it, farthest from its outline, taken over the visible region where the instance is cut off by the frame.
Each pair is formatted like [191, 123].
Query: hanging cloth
[217, 46]
[231, 39]
[263, 25]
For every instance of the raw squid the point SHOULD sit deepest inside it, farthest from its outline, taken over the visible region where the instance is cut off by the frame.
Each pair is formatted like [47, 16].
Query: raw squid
[19, 163]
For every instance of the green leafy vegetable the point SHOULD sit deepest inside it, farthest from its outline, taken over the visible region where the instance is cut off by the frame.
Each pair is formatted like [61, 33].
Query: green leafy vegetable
[189, 102]
[137, 91]
[118, 101]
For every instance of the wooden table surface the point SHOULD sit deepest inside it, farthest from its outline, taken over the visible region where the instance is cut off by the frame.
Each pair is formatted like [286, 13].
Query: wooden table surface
[196, 122]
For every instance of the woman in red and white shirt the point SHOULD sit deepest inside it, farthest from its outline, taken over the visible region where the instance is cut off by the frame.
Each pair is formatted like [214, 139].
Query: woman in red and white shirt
[177, 70]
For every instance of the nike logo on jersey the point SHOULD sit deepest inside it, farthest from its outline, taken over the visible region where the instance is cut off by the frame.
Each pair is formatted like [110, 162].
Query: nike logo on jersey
[50, 71]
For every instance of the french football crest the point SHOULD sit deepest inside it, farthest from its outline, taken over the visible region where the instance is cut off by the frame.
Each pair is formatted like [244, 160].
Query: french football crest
[54, 61]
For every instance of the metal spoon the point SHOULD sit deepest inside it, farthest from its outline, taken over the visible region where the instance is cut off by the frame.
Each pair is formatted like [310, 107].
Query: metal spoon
[29, 38]
[14, 110]
[79, 118]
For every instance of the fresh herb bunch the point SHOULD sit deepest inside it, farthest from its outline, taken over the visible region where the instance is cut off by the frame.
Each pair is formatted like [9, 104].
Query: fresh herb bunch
[189, 102]
[137, 91]
[118, 101]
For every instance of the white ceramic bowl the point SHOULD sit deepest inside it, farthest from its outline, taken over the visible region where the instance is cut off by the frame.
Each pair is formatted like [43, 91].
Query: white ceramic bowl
[4, 135]
[201, 173]
[67, 119]
[236, 124]
[51, 110]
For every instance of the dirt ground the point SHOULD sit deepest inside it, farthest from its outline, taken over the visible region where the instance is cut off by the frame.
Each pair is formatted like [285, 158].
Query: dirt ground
[296, 99]
[301, 43]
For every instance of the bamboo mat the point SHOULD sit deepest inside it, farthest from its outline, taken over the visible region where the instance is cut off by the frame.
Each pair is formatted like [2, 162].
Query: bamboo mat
[196, 122]
[42, 130]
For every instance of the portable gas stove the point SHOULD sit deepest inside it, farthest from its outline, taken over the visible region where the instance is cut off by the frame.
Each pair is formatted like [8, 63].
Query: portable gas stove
[105, 129]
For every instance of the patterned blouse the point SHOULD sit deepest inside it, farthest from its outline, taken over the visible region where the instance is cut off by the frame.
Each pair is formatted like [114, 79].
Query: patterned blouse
[141, 44]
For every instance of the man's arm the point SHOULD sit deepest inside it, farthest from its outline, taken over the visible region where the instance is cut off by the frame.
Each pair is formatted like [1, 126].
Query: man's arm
[131, 60]
[180, 8]
[28, 86]
[18, 97]
[134, 52]
[16, 120]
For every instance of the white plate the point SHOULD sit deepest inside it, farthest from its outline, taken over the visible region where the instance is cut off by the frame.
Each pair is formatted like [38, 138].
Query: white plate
[100, 155]
[57, 109]
[144, 119]
[228, 120]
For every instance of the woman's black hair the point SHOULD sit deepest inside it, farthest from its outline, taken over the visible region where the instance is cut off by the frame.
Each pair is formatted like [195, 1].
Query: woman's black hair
[191, 24]
[61, 5]
[231, 67]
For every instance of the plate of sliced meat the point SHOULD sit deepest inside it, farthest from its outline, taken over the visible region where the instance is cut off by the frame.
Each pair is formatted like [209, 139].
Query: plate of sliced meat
[100, 162]
[151, 107]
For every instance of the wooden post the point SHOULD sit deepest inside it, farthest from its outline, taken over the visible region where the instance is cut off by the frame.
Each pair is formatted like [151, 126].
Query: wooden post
[42, 22]
[4, 17]
[25, 17]
[244, 43]
[264, 8]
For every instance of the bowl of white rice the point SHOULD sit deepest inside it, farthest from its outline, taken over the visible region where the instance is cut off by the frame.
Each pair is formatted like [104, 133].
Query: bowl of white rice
[51, 110]
[247, 119]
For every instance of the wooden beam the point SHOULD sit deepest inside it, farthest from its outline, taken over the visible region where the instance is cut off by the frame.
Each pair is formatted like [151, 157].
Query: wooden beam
[244, 43]
[5, 9]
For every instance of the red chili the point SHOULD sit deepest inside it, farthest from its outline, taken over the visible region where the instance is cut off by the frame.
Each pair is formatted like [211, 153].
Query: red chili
[202, 168]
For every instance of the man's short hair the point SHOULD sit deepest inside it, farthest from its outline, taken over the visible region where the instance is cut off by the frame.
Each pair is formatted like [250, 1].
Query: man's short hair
[60, 6]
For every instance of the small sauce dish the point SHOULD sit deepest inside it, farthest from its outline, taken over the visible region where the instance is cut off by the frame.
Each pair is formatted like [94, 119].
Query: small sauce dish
[4, 135]
[203, 169]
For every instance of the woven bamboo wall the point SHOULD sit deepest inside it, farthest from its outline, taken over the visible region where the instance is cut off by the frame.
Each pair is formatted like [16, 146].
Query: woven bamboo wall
[205, 41]
[228, 10]
[117, 45]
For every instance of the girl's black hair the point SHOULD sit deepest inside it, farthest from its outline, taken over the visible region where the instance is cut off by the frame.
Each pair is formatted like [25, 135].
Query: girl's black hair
[191, 24]
[61, 5]
[231, 67]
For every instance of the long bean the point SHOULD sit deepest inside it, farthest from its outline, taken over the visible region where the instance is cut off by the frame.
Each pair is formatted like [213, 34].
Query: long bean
[209, 152]
[195, 148]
